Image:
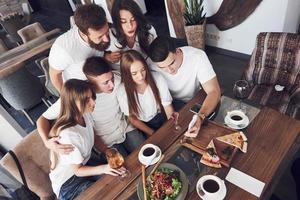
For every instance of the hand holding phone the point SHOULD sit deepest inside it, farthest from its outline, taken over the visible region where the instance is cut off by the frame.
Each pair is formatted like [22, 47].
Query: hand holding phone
[193, 122]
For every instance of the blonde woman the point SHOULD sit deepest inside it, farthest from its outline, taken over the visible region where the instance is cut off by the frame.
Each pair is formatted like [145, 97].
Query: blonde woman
[71, 173]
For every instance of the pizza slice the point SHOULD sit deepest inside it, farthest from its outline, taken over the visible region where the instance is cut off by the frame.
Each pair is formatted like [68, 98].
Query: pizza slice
[210, 157]
[237, 139]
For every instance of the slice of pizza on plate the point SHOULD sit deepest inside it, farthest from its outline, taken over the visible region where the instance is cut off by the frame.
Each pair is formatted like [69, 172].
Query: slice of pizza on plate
[210, 157]
[237, 139]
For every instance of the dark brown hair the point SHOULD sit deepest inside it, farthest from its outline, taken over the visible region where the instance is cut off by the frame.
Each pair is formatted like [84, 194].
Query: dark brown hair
[127, 59]
[73, 91]
[143, 26]
[96, 66]
[89, 16]
[160, 48]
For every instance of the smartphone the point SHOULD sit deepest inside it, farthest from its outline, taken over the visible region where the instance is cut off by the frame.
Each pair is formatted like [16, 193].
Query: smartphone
[196, 107]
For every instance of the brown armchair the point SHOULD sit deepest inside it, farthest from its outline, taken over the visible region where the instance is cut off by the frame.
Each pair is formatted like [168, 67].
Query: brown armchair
[34, 159]
[276, 61]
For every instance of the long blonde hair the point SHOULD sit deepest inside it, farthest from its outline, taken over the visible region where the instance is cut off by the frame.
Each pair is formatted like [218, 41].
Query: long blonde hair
[127, 59]
[74, 97]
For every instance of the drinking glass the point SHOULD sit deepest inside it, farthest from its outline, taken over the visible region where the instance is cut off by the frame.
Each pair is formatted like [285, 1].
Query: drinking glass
[175, 117]
[116, 160]
[241, 90]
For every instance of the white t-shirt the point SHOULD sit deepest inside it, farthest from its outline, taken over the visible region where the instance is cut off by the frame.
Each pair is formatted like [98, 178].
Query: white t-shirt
[68, 54]
[82, 138]
[195, 69]
[148, 105]
[109, 122]
[115, 46]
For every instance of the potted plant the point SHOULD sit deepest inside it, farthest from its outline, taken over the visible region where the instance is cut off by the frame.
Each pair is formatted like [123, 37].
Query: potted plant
[195, 22]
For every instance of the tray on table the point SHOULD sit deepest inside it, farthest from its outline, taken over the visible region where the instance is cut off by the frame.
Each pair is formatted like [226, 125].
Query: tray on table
[225, 151]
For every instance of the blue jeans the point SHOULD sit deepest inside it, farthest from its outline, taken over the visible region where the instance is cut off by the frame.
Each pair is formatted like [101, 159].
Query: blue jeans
[133, 140]
[156, 122]
[178, 104]
[75, 185]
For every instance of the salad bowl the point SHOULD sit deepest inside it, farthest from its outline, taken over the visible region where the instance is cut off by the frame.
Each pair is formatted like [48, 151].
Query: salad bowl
[179, 184]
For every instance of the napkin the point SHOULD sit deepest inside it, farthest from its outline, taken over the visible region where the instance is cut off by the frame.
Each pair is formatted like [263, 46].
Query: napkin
[245, 182]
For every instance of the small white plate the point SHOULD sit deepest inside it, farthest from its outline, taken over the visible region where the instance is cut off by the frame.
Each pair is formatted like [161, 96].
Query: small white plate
[155, 160]
[220, 196]
[245, 122]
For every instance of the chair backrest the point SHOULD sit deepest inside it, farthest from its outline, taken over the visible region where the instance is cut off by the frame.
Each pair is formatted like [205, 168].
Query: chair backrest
[3, 47]
[275, 60]
[12, 24]
[34, 159]
[48, 84]
[31, 32]
[27, 12]
[21, 89]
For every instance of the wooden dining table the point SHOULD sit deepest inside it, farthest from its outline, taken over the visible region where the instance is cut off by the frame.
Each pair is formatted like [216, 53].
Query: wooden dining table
[12, 60]
[273, 139]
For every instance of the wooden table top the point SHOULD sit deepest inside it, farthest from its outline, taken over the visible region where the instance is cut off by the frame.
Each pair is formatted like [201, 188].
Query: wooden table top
[12, 60]
[272, 142]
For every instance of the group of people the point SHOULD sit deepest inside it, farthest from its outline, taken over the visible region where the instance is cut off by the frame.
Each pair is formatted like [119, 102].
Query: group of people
[117, 86]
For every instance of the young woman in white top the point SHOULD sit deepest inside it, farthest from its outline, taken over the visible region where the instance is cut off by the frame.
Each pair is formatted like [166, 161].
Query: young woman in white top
[144, 97]
[71, 173]
[130, 28]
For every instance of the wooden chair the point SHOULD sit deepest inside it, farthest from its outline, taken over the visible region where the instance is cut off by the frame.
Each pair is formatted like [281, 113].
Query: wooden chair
[31, 32]
[34, 159]
[276, 61]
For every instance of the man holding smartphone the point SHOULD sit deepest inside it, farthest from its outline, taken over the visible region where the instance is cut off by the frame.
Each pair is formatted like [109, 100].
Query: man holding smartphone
[186, 70]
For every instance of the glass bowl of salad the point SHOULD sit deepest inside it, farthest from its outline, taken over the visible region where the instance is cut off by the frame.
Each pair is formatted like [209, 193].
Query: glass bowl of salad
[168, 182]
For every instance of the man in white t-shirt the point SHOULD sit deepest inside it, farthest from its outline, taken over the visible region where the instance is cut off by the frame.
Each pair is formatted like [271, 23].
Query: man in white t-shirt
[110, 125]
[186, 70]
[90, 37]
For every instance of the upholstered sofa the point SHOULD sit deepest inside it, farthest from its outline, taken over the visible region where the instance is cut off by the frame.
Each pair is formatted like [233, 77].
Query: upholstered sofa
[275, 64]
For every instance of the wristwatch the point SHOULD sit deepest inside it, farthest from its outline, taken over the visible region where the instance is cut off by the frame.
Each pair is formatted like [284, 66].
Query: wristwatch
[202, 117]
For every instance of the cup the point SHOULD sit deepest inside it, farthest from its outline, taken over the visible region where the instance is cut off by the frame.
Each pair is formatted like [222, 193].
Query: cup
[148, 153]
[209, 186]
[236, 117]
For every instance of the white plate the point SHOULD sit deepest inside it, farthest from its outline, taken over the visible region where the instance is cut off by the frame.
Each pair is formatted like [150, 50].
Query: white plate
[155, 160]
[245, 122]
[221, 196]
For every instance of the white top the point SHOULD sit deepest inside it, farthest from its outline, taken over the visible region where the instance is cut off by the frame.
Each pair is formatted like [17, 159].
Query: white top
[148, 105]
[68, 54]
[195, 69]
[82, 138]
[115, 46]
[110, 123]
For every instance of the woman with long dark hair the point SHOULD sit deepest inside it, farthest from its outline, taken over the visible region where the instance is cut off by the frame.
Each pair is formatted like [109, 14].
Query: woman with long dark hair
[130, 28]
[71, 173]
[143, 95]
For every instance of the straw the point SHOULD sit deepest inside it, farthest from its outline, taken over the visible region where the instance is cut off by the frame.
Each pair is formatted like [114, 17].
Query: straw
[144, 182]
[156, 165]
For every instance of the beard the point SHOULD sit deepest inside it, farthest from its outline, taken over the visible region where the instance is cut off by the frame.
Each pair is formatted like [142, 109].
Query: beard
[100, 47]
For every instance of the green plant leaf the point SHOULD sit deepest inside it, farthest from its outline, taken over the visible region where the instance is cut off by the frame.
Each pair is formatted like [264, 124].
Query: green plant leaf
[193, 14]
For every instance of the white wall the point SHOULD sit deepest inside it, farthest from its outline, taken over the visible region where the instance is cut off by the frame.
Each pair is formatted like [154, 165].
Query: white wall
[270, 15]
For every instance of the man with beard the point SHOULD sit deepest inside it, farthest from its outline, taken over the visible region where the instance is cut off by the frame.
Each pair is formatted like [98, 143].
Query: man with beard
[90, 37]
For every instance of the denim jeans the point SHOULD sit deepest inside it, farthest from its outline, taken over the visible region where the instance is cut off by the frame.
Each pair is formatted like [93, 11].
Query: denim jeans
[133, 140]
[75, 185]
[156, 122]
[178, 104]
